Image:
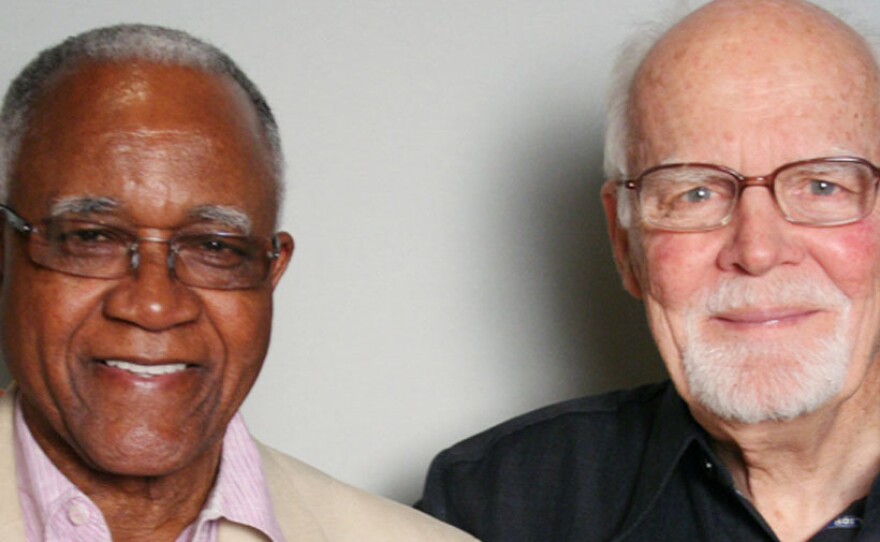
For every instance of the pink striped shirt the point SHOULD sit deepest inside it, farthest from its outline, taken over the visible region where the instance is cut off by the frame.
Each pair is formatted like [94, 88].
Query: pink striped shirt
[56, 511]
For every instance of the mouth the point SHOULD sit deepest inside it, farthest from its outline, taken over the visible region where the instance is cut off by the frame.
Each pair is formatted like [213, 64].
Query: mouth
[145, 371]
[770, 317]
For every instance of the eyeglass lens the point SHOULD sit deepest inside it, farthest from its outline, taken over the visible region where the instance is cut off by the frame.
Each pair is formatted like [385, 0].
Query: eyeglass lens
[208, 260]
[694, 197]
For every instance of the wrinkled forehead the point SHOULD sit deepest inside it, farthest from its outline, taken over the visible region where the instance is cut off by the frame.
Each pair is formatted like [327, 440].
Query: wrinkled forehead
[166, 138]
[739, 71]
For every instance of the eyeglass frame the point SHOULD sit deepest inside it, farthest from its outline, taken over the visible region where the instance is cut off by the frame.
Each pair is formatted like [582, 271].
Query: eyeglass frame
[745, 181]
[23, 227]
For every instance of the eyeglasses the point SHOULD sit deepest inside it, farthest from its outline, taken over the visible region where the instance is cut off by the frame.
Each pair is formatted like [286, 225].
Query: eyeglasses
[697, 197]
[83, 248]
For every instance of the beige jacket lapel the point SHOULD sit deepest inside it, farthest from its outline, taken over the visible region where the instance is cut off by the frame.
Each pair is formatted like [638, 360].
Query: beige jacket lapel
[11, 521]
[297, 522]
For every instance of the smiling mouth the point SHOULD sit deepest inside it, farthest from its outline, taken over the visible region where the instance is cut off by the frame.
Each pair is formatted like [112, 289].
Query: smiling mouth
[766, 317]
[145, 371]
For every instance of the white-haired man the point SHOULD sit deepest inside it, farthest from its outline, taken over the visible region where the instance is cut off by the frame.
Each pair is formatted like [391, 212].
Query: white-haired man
[742, 209]
[141, 183]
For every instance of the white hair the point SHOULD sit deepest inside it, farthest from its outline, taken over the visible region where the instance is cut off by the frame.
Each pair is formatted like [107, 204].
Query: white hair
[119, 43]
[619, 137]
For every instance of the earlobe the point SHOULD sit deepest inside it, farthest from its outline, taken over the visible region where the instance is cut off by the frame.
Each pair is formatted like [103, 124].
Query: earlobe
[620, 241]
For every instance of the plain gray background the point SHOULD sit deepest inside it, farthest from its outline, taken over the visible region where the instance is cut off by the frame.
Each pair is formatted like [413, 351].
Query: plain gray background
[444, 159]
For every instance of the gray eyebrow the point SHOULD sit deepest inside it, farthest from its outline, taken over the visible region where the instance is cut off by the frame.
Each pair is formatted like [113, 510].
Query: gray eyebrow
[230, 216]
[82, 205]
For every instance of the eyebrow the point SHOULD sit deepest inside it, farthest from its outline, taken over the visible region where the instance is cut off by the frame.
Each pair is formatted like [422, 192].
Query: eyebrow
[224, 214]
[83, 205]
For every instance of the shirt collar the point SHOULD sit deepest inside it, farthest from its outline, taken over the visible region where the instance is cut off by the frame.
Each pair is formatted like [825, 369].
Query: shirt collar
[240, 493]
[674, 432]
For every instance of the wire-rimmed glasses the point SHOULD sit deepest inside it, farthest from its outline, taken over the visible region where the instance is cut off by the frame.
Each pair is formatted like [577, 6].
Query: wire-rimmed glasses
[199, 258]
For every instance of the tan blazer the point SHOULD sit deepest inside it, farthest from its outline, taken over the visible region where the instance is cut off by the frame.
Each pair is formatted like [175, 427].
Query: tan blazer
[310, 506]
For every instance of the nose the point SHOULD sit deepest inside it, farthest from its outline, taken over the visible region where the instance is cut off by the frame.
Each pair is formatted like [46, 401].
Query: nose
[151, 298]
[760, 239]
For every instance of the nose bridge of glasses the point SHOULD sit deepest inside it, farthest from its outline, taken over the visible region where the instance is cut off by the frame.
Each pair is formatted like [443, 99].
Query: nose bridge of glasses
[135, 250]
[757, 180]
[766, 181]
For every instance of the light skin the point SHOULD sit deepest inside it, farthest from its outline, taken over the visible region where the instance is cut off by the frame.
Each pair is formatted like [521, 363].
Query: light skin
[752, 85]
[163, 144]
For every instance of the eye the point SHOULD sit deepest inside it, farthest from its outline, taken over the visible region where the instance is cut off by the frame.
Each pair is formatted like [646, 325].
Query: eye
[88, 236]
[219, 245]
[821, 187]
[698, 195]
[218, 251]
[79, 238]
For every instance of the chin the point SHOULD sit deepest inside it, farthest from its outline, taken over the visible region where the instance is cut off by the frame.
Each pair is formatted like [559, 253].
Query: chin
[755, 382]
[144, 453]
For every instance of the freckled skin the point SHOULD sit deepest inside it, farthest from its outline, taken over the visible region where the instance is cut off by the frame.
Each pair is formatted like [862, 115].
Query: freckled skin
[162, 141]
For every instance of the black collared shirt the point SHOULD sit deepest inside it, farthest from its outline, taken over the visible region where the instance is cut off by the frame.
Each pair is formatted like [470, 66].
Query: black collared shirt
[625, 466]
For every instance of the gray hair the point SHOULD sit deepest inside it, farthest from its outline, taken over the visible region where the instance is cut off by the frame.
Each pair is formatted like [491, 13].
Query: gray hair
[619, 137]
[117, 43]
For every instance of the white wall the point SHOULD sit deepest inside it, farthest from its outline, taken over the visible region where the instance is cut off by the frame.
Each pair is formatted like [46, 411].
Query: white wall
[444, 156]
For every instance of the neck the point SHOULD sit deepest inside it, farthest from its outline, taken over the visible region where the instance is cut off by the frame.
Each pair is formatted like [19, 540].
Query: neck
[153, 508]
[800, 474]
[137, 508]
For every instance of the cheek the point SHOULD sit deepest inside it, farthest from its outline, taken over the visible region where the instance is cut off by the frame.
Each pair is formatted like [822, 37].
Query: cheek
[676, 266]
[850, 257]
[43, 310]
[41, 315]
[243, 322]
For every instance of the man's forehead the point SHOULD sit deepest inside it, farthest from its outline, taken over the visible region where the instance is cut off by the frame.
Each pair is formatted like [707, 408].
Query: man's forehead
[173, 141]
[762, 73]
[127, 93]
[741, 37]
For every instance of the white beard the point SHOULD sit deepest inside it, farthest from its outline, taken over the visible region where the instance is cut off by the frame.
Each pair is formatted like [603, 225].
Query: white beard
[762, 380]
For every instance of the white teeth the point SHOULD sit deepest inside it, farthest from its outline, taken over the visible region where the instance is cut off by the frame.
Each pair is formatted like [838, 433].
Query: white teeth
[146, 371]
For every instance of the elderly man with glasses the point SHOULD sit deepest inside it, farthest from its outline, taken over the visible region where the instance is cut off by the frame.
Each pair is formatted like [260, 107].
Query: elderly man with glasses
[141, 183]
[742, 207]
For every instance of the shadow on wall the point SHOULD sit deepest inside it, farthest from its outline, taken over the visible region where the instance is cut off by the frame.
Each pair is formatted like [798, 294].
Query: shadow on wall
[4, 375]
[608, 344]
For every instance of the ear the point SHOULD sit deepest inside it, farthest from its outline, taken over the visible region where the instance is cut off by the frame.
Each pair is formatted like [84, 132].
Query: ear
[620, 241]
[285, 253]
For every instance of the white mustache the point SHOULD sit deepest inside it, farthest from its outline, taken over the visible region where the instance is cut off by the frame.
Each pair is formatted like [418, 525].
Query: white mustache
[746, 292]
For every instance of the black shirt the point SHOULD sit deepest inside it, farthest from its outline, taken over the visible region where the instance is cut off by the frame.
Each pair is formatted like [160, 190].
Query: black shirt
[624, 466]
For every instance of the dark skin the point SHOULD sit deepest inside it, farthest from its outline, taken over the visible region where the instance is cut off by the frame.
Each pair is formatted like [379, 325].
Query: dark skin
[160, 142]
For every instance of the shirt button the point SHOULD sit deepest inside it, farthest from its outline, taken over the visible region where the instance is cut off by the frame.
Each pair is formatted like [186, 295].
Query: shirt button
[78, 514]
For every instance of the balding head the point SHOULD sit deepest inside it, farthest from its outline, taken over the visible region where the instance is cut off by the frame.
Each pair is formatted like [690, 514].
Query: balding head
[759, 59]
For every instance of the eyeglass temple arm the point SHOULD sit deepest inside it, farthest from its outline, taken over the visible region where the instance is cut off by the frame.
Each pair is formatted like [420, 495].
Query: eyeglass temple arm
[15, 221]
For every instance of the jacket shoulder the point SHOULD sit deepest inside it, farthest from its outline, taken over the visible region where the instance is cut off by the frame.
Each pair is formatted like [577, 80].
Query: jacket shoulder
[309, 500]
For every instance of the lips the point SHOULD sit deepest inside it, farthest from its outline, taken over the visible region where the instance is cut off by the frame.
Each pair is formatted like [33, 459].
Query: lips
[765, 317]
[145, 371]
